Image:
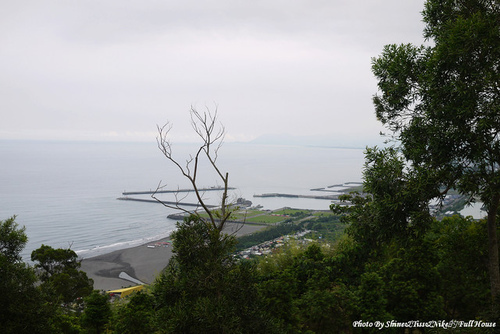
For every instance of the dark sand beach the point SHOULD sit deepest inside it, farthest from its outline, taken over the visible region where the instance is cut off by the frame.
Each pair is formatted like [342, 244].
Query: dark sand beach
[142, 263]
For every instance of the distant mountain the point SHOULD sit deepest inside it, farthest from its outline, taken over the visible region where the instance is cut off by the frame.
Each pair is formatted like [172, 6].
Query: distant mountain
[318, 140]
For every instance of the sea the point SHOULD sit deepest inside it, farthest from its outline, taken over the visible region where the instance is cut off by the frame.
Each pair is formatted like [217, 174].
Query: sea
[66, 194]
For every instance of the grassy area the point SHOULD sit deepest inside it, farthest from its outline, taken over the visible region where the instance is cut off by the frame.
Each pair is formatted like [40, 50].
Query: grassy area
[324, 224]
[242, 214]
[323, 214]
[291, 212]
[286, 214]
[266, 219]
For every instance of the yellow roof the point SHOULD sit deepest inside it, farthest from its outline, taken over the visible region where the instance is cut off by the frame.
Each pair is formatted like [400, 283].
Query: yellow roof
[126, 291]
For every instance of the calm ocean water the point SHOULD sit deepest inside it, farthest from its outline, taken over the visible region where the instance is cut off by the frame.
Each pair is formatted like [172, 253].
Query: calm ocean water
[65, 193]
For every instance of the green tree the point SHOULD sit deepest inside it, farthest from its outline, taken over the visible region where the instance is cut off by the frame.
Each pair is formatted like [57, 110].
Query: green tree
[204, 290]
[325, 310]
[393, 207]
[136, 315]
[413, 284]
[58, 270]
[461, 245]
[22, 308]
[388, 226]
[371, 300]
[63, 320]
[301, 288]
[13, 240]
[442, 103]
[279, 291]
[97, 312]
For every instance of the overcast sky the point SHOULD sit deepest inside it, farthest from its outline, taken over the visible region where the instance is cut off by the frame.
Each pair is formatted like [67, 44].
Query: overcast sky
[113, 69]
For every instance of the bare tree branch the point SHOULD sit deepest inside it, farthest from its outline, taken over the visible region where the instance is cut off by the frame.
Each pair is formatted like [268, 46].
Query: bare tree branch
[212, 136]
[176, 206]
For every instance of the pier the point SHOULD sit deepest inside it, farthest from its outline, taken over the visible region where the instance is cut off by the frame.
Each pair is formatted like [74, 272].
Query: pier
[161, 202]
[328, 197]
[150, 192]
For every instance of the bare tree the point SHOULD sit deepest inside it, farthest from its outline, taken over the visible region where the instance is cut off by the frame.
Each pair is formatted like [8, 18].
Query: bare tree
[212, 136]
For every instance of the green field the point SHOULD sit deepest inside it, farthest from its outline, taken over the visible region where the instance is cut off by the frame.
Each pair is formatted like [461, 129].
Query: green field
[266, 219]
[323, 214]
[242, 214]
[291, 212]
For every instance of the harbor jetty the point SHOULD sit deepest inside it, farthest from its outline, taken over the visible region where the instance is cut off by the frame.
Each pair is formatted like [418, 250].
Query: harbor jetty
[150, 192]
[327, 197]
[161, 202]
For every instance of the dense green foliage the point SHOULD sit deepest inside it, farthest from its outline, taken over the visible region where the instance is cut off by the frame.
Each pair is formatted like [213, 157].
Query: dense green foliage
[135, 315]
[38, 299]
[267, 234]
[97, 313]
[22, 307]
[58, 270]
[204, 290]
[440, 273]
[13, 240]
[325, 227]
[442, 103]
[460, 246]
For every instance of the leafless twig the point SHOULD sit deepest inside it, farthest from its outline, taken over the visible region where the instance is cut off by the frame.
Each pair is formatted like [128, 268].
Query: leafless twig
[212, 136]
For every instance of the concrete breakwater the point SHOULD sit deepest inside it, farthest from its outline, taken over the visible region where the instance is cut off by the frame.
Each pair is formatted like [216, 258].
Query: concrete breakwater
[150, 192]
[161, 202]
[327, 197]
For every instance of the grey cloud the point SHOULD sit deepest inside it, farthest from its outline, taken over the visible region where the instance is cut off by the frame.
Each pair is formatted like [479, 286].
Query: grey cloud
[123, 66]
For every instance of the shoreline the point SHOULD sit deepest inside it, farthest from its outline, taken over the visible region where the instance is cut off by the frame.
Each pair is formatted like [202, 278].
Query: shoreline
[141, 263]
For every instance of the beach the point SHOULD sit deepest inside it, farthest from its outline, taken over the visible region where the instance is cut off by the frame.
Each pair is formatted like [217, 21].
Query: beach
[126, 267]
